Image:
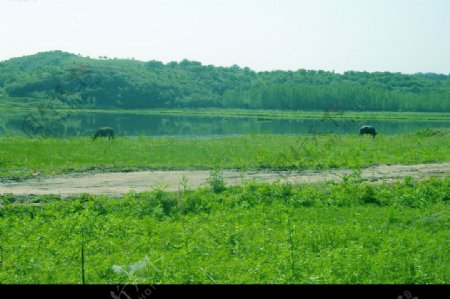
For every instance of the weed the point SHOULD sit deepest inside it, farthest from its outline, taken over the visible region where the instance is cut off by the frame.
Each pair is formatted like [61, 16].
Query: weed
[216, 181]
[349, 232]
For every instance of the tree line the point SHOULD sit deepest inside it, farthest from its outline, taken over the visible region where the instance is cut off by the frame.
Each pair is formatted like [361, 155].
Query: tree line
[107, 83]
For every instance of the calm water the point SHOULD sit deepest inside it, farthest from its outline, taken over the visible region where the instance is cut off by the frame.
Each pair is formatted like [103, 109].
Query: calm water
[84, 124]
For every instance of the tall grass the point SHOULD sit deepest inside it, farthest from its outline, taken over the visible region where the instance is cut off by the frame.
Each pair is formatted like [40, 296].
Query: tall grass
[22, 157]
[351, 232]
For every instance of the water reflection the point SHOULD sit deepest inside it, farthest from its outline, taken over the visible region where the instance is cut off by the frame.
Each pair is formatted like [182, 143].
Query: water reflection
[84, 124]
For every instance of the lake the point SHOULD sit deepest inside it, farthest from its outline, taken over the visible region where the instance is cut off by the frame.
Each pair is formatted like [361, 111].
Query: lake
[132, 124]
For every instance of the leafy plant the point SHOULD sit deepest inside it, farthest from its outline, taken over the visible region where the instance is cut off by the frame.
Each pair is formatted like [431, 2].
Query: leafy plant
[216, 181]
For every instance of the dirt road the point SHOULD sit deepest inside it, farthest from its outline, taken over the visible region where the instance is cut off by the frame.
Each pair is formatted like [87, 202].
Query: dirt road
[116, 183]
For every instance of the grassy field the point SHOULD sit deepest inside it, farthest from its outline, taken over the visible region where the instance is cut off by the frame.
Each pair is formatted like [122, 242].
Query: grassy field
[347, 232]
[269, 114]
[286, 114]
[351, 232]
[21, 157]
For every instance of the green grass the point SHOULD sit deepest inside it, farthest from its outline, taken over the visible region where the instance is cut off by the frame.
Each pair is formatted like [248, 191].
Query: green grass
[20, 156]
[286, 114]
[269, 114]
[351, 232]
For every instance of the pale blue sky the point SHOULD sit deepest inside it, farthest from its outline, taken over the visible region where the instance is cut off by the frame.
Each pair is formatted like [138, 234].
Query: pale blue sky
[381, 35]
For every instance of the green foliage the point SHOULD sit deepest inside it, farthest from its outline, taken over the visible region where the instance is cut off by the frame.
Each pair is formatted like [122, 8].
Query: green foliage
[216, 181]
[125, 83]
[351, 232]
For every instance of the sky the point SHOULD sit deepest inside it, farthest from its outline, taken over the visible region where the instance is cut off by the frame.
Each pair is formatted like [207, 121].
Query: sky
[407, 36]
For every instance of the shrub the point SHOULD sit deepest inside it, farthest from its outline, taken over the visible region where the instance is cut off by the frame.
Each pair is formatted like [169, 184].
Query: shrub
[216, 181]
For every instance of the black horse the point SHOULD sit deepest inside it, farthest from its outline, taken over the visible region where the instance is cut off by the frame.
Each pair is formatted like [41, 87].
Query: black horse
[104, 132]
[367, 130]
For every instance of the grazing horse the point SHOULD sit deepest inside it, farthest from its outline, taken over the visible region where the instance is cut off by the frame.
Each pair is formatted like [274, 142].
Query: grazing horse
[367, 130]
[105, 132]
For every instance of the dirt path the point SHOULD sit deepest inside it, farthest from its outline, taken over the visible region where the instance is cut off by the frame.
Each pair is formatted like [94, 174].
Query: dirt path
[116, 183]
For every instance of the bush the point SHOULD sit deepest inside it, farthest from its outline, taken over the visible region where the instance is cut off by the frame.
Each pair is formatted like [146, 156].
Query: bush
[216, 181]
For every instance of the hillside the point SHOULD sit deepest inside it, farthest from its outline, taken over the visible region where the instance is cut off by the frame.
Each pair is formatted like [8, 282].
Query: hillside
[72, 80]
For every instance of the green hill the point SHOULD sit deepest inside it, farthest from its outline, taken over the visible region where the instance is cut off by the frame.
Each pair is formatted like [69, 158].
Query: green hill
[106, 83]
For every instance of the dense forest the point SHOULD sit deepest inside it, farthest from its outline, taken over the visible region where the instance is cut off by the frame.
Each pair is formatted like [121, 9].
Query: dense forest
[106, 83]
